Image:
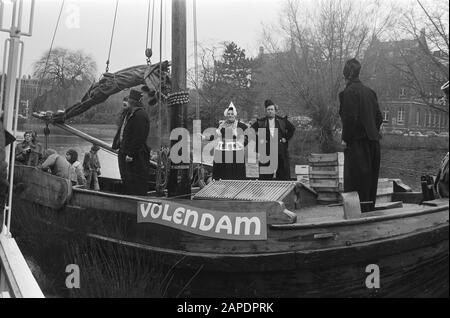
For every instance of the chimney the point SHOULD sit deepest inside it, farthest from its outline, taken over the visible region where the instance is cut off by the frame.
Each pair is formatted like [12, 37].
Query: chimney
[261, 51]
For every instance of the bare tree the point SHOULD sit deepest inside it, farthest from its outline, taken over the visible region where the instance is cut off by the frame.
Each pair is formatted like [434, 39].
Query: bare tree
[425, 69]
[65, 73]
[317, 40]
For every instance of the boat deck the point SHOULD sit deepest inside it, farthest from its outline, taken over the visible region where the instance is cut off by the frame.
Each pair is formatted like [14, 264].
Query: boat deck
[332, 213]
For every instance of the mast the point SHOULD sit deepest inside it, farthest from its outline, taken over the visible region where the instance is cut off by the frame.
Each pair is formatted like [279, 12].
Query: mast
[179, 180]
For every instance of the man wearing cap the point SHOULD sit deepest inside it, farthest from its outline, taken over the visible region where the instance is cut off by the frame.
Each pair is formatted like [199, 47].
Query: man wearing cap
[285, 130]
[130, 139]
[361, 121]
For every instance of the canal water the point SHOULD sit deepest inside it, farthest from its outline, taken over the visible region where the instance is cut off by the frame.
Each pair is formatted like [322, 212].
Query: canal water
[405, 164]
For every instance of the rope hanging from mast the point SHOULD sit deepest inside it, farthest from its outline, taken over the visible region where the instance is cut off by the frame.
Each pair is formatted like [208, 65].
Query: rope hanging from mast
[197, 101]
[51, 48]
[112, 36]
[160, 73]
[148, 50]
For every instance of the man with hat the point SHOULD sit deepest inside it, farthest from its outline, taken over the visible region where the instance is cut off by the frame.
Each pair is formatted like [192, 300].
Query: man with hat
[130, 139]
[361, 121]
[282, 129]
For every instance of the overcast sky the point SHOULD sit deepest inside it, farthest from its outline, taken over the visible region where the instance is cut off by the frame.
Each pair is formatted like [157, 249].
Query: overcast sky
[87, 24]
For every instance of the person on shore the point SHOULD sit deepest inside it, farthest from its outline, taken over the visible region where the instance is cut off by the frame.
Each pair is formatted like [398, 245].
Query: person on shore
[285, 130]
[57, 165]
[29, 151]
[131, 141]
[91, 167]
[361, 120]
[72, 158]
[229, 154]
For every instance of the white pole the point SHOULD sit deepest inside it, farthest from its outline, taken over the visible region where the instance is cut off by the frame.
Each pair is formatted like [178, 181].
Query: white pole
[12, 94]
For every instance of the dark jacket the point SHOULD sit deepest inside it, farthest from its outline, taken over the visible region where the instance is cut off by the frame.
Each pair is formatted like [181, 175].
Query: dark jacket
[285, 130]
[134, 134]
[360, 113]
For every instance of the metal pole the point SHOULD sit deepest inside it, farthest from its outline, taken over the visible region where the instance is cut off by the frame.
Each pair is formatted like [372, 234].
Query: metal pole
[11, 93]
[179, 180]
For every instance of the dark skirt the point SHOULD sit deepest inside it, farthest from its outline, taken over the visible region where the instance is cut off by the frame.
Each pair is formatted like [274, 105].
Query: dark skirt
[229, 165]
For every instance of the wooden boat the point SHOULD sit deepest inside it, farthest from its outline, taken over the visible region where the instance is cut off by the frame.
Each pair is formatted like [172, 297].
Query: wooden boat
[253, 238]
[308, 250]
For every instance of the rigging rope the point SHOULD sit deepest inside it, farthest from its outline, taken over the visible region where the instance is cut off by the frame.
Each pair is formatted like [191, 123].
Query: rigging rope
[50, 50]
[197, 101]
[148, 51]
[197, 97]
[112, 36]
[160, 73]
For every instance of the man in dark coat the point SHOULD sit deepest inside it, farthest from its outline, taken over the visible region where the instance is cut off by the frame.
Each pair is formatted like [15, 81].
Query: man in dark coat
[361, 121]
[285, 132]
[134, 155]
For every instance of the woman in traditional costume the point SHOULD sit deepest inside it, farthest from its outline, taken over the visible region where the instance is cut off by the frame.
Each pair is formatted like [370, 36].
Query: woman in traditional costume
[229, 153]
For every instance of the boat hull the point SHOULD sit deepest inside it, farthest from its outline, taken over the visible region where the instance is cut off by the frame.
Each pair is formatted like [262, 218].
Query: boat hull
[321, 259]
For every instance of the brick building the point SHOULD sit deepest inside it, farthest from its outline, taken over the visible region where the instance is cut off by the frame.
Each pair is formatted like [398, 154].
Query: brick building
[386, 68]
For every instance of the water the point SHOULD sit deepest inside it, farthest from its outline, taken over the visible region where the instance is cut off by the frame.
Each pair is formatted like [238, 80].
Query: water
[405, 164]
[62, 143]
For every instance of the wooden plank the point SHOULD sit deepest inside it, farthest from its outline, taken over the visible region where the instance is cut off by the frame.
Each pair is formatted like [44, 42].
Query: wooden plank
[323, 183]
[13, 265]
[388, 205]
[328, 196]
[408, 197]
[302, 169]
[331, 168]
[352, 207]
[34, 185]
[325, 175]
[323, 157]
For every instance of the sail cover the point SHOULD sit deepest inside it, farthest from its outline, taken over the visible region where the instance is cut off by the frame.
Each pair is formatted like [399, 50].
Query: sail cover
[112, 83]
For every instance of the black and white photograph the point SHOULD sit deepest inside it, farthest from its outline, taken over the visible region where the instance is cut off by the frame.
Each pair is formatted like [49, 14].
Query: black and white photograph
[224, 154]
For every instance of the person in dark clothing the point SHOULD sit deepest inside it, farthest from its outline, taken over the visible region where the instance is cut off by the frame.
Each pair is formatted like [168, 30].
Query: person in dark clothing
[361, 121]
[29, 152]
[91, 167]
[130, 139]
[229, 154]
[271, 123]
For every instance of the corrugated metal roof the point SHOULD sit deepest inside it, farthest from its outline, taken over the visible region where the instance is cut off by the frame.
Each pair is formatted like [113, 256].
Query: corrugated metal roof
[246, 190]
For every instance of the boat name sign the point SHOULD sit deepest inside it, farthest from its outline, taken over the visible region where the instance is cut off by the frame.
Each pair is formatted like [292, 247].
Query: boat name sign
[245, 226]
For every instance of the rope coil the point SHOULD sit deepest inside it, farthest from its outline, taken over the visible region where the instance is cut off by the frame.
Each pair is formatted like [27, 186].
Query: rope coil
[178, 98]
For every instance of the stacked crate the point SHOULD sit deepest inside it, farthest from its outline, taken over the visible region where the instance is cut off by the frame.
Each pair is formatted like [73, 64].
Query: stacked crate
[326, 176]
[302, 174]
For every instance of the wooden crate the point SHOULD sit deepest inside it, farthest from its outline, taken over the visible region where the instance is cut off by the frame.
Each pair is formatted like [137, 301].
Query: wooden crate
[326, 175]
[302, 173]
[332, 183]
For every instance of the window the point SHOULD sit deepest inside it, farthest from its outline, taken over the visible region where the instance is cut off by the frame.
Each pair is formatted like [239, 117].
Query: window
[386, 115]
[435, 119]
[402, 92]
[417, 118]
[401, 116]
[429, 118]
[439, 121]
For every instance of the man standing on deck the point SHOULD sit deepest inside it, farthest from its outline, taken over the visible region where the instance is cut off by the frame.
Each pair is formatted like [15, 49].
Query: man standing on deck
[361, 121]
[130, 139]
[285, 131]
